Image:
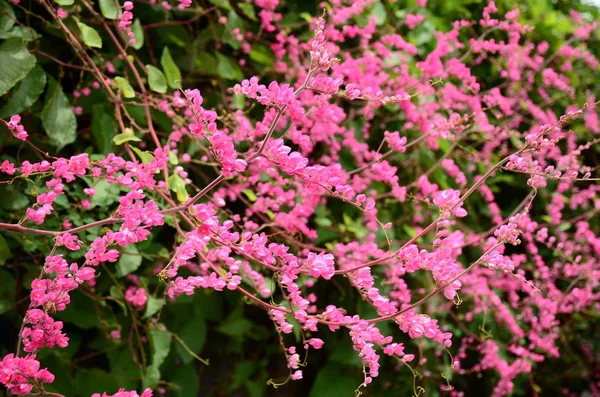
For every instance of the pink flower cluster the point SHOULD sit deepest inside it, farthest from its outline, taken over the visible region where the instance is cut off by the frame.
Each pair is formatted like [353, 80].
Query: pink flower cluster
[21, 374]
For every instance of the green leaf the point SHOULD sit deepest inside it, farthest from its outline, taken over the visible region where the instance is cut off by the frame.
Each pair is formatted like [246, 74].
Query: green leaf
[262, 54]
[236, 324]
[177, 185]
[80, 312]
[125, 87]
[21, 32]
[161, 344]
[156, 80]
[227, 68]
[171, 69]
[102, 128]
[64, 2]
[7, 17]
[89, 35]
[250, 194]
[121, 363]
[153, 306]
[28, 91]
[146, 156]
[187, 379]
[129, 261]
[16, 63]
[58, 118]
[95, 380]
[343, 385]
[194, 335]
[379, 13]
[109, 9]
[120, 139]
[106, 194]
[5, 252]
[138, 34]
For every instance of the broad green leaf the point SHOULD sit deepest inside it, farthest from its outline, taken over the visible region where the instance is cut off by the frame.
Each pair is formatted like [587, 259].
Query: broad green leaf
[194, 335]
[7, 16]
[16, 63]
[227, 68]
[177, 185]
[379, 13]
[250, 194]
[238, 101]
[332, 380]
[28, 91]
[186, 378]
[233, 22]
[106, 193]
[146, 156]
[121, 363]
[89, 35]
[58, 118]
[156, 80]
[64, 2]
[161, 344]
[5, 252]
[206, 63]
[23, 33]
[260, 53]
[125, 87]
[120, 139]
[138, 34]
[109, 9]
[153, 306]
[129, 261]
[172, 72]
[80, 312]
[102, 128]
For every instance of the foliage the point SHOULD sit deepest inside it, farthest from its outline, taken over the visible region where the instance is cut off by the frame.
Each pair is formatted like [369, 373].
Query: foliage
[246, 198]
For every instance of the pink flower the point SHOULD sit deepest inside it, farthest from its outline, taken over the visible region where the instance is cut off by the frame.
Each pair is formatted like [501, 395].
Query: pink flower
[62, 14]
[136, 296]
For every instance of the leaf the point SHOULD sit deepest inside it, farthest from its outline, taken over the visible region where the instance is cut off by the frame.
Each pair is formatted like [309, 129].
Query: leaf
[5, 252]
[161, 344]
[156, 80]
[7, 17]
[21, 32]
[236, 324]
[172, 72]
[58, 118]
[138, 34]
[261, 54]
[108, 8]
[250, 194]
[89, 35]
[106, 194]
[125, 87]
[379, 13]
[16, 63]
[194, 335]
[343, 385]
[146, 156]
[187, 378]
[64, 2]
[120, 139]
[129, 261]
[95, 380]
[177, 185]
[80, 312]
[28, 91]
[102, 128]
[228, 69]
[152, 306]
